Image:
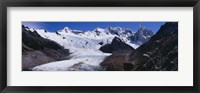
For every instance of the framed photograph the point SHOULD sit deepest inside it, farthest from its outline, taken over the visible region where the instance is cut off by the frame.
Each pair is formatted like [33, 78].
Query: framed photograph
[99, 46]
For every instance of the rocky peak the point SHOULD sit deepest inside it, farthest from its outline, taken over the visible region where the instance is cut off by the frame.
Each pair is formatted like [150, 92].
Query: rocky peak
[67, 29]
[109, 28]
[116, 45]
[142, 35]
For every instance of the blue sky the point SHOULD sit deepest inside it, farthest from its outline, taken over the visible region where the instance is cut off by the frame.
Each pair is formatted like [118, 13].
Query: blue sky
[85, 26]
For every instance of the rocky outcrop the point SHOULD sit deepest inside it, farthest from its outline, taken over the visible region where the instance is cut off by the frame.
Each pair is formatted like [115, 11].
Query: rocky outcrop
[37, 50]
[116, 45]
[116, 61]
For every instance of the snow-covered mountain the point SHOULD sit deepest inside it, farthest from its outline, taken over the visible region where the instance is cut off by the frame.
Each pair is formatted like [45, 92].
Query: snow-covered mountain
[84, 46]
[142, 35]
[94, 39]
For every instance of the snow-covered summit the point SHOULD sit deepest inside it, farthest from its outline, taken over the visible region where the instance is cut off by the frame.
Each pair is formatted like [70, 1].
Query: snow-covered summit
[142, 35]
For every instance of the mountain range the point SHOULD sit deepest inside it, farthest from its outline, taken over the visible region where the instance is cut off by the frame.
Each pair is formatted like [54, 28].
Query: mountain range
[110, 49]
[94, 39]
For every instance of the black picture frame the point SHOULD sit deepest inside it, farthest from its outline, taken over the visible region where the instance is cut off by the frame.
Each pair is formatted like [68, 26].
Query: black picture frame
[101, 3]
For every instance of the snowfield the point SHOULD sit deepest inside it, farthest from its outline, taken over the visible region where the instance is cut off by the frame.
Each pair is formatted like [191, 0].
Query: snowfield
[82, 60]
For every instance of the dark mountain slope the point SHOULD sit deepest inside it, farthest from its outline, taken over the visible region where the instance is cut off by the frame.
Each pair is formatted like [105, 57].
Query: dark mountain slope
[160, 53]
[119, 51]
[37, 50]
[116, 45]
[116, 61]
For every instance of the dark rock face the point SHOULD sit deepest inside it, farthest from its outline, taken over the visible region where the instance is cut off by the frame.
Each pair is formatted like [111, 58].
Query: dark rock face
[160, 53]
[120, 51]
[116, 45]
[116, 61]
[128, 66]
[37, 50]
[106, 48]
[57, 33]
[143, 35]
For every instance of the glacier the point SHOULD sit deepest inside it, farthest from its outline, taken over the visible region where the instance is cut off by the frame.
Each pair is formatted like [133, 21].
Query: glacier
[89, 59]
[84, 47]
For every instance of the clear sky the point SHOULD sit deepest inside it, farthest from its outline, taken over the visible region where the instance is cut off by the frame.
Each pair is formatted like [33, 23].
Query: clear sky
[85, 26]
